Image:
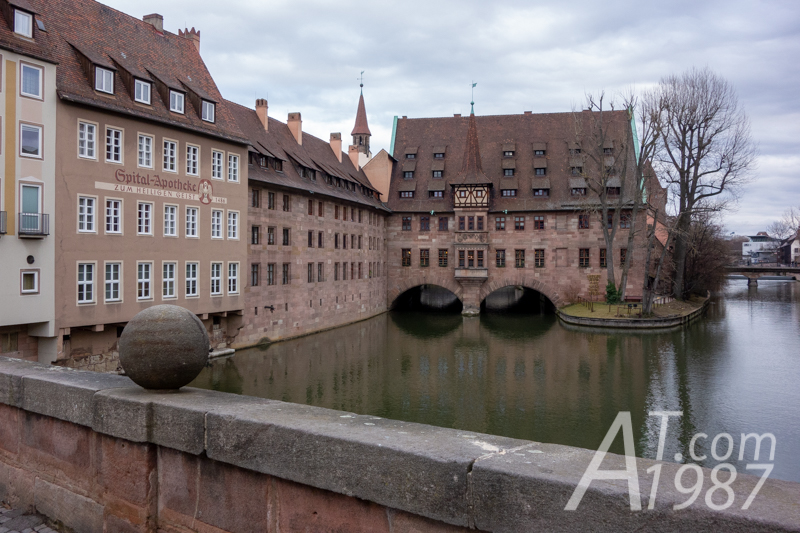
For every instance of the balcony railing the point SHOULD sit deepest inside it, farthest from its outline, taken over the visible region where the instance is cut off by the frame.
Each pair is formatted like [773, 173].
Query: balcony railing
[33, 225]
[2, 222]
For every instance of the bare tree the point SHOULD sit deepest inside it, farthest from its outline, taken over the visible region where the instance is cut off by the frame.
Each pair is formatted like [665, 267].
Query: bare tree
[787, 226]
[604, 145]
[705, 151]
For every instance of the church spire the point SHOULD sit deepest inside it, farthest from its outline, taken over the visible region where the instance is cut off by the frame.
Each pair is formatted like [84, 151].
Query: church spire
[361, 133]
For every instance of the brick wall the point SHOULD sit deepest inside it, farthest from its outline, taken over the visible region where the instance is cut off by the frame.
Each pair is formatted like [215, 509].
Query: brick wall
[301, 306]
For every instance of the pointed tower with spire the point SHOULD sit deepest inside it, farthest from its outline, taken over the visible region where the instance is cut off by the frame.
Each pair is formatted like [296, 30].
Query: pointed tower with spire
[361, 133]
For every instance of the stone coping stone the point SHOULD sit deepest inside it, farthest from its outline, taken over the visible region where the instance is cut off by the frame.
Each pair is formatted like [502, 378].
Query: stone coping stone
[463, 478]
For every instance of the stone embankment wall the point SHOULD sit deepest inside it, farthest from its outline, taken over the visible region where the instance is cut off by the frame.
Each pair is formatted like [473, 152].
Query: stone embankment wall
[97, 453]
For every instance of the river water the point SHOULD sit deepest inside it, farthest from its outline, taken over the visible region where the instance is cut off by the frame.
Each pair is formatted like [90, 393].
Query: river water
[736, 371]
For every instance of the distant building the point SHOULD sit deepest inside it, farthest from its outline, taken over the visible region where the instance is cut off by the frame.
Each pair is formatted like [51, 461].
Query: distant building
[760, 248]
[789, 250]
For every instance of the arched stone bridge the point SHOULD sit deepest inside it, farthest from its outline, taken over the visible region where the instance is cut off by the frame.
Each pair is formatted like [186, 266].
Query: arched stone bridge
[471, 292]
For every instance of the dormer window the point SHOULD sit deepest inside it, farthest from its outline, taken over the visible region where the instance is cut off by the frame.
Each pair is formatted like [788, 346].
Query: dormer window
[408, 175]
[23, 23]
[208, 111]
[608, 151]
[508, 153]
[438, 155]
[507, 172]
[142, 92]
[437, 173]
[176, 101]
[103, 80]
[411, 156]
[538, 153]
[574, 151]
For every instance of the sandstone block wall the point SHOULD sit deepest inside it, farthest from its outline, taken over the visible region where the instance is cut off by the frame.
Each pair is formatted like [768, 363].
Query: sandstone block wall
[301, 306]
[561, 279]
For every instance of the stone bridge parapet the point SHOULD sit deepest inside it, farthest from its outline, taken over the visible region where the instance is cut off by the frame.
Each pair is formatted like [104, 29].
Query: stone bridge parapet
[97, 453]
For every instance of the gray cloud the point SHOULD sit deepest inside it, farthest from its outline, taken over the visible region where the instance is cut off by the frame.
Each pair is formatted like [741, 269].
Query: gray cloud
[420, 58]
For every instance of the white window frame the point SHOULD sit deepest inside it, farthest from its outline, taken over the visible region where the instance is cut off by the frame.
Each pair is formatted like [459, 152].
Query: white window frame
[233, 168]
[114, 142]
[113, 220]
[148, 230]
[170, 220]
[168, 291]
[216, 223]
[86, 284]
[87, 214]
[233, 225]
[144, 280]
[38, 93]
[35, 274]
[177, 101]
[144, 149]
[216, 164]
[87, 140]
[103, 80]
[216, 278]
[192, 159]
[209, 111]
[192, 221]
[39, 130]
[111, 283]
[192, 276]
[140, 88]
[170, 155]
[22, 15]
[233, 277]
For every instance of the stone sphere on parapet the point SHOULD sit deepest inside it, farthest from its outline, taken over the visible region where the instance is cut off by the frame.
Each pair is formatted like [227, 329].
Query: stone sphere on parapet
[163, 347]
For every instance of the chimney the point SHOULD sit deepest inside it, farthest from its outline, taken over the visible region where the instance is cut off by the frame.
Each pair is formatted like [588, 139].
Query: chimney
[193, 35]
[295, 124]
[261, 111]
[155, 20]
[353, 153]
[336, 145]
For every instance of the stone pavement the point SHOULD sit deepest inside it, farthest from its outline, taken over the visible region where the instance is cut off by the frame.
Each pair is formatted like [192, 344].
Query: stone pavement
[16, 521]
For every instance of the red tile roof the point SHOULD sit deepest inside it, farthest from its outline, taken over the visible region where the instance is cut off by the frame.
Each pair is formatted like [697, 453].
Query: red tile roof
[471, 170]
[555, 133]
[113, 39]
[315, 153]
[39, 47]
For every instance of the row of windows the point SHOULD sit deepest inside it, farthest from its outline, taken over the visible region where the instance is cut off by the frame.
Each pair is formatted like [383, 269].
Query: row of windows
[142, 93]
[506, 153]
[612, 192]
[112, 221]
[146, 283]
[114, 141]
[475, 258]
[317, 271]
[317, 208]
[476, 223]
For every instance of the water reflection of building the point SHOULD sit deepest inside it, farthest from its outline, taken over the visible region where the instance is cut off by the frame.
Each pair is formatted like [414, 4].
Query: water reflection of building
[517, 376]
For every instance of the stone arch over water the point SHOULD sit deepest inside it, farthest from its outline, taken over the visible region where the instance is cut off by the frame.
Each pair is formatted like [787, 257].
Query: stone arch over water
[396, 293]
[495, 284]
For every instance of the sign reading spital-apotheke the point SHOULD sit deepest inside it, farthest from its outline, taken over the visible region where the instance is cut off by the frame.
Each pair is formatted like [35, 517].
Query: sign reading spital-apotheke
[175, 188]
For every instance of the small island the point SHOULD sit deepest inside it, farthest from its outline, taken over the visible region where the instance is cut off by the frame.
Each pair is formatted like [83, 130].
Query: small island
[670, 313]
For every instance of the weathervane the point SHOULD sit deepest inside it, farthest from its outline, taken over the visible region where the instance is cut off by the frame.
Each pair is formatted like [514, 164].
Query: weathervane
[472, 103]
[361, 79]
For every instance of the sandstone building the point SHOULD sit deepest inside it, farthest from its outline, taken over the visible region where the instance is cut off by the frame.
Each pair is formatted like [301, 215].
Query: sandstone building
[316, 235]
[483, 203]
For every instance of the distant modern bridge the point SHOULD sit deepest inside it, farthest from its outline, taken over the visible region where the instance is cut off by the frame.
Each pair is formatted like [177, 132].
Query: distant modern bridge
[753, 272]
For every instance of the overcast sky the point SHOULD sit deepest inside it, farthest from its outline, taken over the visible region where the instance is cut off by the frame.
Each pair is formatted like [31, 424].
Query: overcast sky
[421, 56]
